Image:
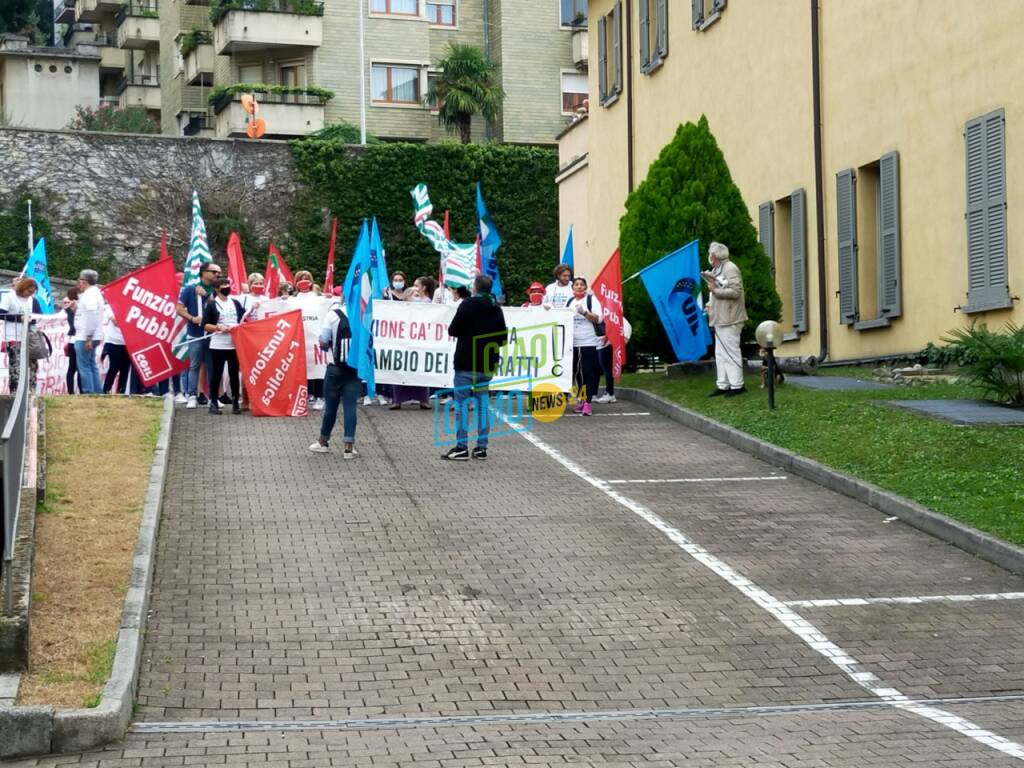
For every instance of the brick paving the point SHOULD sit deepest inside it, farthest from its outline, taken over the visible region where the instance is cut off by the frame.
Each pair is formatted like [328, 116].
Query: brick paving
[293, 586]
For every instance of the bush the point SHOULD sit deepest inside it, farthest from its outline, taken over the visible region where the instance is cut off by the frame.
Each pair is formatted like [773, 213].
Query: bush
[108, 119]
[346, 133]
[351, 183]
[192, 40]
[221, 91]
[220, 8]
[945, 356]
[689, 194]
[995, 361]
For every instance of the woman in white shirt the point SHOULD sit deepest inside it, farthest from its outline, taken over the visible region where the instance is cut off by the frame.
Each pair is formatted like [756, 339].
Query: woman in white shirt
[585, 364]
[219, 317]
[15, 304]
[114, 349]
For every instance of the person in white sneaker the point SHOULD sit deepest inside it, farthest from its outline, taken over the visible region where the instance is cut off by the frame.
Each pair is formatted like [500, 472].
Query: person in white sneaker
[606, 357]
[341, 383]
[588, 327]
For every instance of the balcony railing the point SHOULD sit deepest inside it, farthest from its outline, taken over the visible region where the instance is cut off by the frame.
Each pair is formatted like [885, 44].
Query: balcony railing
[146, 81]
[285, 114]
[241, 27]
[295, 7]
[64, 12]
[138, 26]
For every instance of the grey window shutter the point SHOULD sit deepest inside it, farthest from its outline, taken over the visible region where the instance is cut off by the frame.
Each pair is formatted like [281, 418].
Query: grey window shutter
[602, 59]
[617, 47]
[698, 12]
[766, 230]
[718, 6]
[645, 34]
[889, 291]
[846, 234]
[662, 29]
[987, 274]
[798, 226]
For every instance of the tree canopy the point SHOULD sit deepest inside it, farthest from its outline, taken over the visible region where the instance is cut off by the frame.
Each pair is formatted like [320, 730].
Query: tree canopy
[33, 18]
[467, 85]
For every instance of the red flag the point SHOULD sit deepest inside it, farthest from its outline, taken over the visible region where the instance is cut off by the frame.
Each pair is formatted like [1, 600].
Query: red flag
[143, 304]
[271, 281]
[284, 274]
[236, 263]
[272, 358]
[329, 277]
[608, 289]
[447, 232]
[164, 253]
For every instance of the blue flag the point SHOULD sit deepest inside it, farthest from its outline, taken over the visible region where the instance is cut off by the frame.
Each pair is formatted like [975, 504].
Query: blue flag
[490, 242]
[674, 285]
[371, 287]
[567, 253]
[353, 293]
[35, 268]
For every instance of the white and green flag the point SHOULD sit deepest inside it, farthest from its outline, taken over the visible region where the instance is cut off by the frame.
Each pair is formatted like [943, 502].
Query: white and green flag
[458, 260]
[198, 254]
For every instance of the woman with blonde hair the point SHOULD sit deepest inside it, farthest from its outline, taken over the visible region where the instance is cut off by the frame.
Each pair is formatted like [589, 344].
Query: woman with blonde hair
[14, 305]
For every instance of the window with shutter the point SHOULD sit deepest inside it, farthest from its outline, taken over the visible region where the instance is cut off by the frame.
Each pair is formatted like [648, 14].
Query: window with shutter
[602, 59]
[645, 35]
[987, 271]
[662, 36]
[798, 238]
[766, 230]
[846, 234]
[616, 18]
[889, 291]
[697, 7]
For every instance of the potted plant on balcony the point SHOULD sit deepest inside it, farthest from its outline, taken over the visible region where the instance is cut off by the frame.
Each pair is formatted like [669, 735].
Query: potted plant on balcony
[192, 40]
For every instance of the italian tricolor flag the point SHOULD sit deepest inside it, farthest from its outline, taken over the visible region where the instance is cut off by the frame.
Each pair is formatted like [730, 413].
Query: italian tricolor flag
[277, 272]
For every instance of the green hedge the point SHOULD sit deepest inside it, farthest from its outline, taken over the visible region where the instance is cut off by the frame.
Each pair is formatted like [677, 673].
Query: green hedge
[351, 183]
[220, 91]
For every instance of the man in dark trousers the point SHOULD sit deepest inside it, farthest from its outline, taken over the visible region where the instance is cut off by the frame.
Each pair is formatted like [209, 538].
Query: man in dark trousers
[480, 333]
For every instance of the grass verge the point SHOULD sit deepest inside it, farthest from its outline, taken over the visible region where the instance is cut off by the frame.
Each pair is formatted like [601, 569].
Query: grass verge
[98, 452]
[969, 473]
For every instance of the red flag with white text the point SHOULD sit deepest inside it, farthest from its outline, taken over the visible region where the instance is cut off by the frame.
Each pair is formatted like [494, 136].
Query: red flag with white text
[272, 360]
[608, 289]
[143, 303]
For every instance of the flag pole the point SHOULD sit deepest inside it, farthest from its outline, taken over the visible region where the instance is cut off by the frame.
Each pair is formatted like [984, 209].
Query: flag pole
[31, 237]
[362, 77]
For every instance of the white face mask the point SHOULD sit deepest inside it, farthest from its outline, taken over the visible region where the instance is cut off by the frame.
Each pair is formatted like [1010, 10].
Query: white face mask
[397, 285]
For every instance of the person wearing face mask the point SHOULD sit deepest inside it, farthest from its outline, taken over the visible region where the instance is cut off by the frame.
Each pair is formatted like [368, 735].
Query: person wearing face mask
[219, 316]
[535, 293]
[312, 306]
[587, 329]
[396, 291]
[422, 292]
[191, 304]
[727, 312]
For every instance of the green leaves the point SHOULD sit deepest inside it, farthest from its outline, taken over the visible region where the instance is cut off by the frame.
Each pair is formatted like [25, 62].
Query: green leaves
[221, 91]
[467, 86]
[113, 120]
[689, 195]
[993, 362]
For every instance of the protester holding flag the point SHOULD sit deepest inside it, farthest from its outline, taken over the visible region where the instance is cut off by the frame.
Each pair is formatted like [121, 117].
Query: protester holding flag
[559, 293]
[88, 331]
[727, 311]
[220, 315]
[191, 303]
[14, 306]
[587, 329]
[341, 384]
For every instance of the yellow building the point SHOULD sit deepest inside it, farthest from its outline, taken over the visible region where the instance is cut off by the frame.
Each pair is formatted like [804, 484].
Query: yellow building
[906, 195]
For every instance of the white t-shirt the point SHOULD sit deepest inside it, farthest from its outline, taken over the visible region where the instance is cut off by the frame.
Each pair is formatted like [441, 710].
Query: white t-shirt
[556, 296]
[89, 319]
[583, 334]
[13, 304]
[228, 317]
[111, 333]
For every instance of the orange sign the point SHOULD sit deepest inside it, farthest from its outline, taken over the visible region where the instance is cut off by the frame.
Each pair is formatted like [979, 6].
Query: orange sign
[256, 128]
[249, 103]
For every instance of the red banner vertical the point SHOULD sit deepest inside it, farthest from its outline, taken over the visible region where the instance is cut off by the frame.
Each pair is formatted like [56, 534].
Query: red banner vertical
[236, 264]
[608, 289]
[329, 277]
[143, 304]
[272, 359]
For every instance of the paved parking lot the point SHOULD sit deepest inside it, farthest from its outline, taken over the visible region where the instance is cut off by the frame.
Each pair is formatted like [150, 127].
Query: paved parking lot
[605, 591]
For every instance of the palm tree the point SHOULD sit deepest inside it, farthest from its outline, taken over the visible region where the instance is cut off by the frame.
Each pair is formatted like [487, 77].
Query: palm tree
[466, 86]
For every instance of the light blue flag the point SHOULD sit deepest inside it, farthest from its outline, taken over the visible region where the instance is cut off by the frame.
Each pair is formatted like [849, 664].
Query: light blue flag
[35, 268]
[490, 242]
[353, 292]
[674, 285]
[371, 287]
[567, 253]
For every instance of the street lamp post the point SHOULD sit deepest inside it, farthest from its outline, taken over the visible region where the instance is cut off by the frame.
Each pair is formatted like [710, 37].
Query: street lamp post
[769, 334]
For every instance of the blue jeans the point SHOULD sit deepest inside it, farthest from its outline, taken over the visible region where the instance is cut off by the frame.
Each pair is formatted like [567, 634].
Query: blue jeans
[467, 385]
[198, 354]
[341, 386]
[88, 372]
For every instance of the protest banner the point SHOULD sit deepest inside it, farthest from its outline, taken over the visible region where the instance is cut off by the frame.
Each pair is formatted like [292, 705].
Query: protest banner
[143, 303]
[51, 378]
[412, 346]
[272, 359]
[314, 309]
[608, 289]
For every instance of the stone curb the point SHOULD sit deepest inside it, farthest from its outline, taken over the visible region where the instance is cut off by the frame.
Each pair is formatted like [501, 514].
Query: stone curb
[28, 731]
[941, 527]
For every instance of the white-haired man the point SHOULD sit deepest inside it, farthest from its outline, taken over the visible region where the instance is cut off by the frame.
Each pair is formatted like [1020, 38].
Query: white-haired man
[727, 312]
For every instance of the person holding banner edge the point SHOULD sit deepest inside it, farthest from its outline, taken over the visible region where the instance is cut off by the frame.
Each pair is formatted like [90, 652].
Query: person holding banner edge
[727, 312]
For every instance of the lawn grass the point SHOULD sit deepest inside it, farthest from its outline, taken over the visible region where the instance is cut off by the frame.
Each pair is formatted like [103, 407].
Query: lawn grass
[972, 474]
[99, 451]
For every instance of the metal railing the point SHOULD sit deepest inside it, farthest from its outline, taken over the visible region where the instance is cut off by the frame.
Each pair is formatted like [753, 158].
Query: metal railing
[12, 456]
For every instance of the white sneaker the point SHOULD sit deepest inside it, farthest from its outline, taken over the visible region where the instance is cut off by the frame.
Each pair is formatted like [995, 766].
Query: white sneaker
[180, 399]
[350, 453]
[192, 403]
[319, 447]
[318, 404]
[605, 398]
[367, 400]
[381, 400]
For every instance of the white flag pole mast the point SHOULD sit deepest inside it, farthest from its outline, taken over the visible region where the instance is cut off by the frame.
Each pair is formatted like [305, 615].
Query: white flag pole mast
[31, 239]
[362, 78]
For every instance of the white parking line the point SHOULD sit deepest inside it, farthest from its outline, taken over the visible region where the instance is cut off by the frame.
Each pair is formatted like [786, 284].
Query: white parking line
[625, 413]
[699, 480]
[844, 602]
[799, 626]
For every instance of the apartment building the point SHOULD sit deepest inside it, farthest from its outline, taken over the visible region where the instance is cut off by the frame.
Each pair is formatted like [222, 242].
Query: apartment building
[306, 47]
[890, 224]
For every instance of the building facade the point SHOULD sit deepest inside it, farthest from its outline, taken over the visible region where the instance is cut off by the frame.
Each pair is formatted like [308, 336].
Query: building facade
[68, 78]
[890, 225]
[188, 62]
